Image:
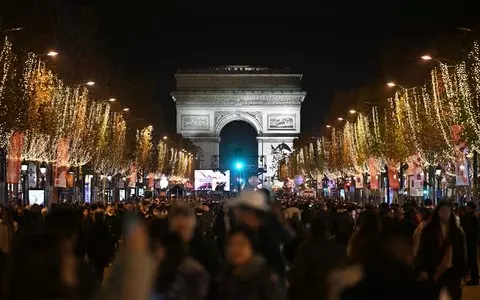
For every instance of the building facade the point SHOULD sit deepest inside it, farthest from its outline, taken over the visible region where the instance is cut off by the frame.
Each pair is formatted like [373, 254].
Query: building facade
[269, 100]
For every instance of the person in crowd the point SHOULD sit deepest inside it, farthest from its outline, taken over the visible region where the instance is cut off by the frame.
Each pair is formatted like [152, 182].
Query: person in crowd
[410, 220]
[343, 225]
[387, 274]
[291, 246]
[418, 231]
[471, 227]
[178, 276]
[113, 223]
[182, 221]
[441, 253]
[44, 267]
[65, 224]
[251, 210]
[313, 261]
[323, 212]
[387, 218]
[7, 229]
[366, 237]
[99, 247]
[247, 275]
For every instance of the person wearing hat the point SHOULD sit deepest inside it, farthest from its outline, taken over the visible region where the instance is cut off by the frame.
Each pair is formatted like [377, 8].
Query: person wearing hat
[470, 226]
[251, 210]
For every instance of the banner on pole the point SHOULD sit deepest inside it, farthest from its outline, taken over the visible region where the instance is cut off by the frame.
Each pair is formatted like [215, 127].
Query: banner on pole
[461, 173]
[14, 158]
[393, 178]
[132, 177]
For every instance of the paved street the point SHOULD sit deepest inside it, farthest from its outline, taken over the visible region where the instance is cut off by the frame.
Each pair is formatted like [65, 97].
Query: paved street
[471, 293]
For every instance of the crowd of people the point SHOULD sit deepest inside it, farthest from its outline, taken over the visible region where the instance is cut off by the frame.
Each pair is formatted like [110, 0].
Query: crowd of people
[250, 247]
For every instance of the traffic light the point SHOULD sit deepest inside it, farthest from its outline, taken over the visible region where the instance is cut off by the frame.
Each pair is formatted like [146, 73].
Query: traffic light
[238, 165]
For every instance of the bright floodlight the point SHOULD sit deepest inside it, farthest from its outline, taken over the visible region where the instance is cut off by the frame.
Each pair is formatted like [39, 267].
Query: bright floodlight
[426, 57]
[52, 53]
[391, 84]
[352, 111]
[238, 165]
[126, 109]
[340, 119]
[90, 83]
[112, 99]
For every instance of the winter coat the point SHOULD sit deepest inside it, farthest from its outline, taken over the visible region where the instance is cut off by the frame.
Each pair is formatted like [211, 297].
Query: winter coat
[314, 260]
[190, 283]
[343, 227]
[99, 247]
[253, 281]
[470, 225]
[390, 280]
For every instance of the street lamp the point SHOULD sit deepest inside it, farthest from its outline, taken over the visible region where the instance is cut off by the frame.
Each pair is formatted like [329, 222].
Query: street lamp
[426, 57]
[52, 53]
[112, 100]
[438, 170]
[165, 137]
[126, 109]
[90, 83]
[43, 171]
[340, 119]
[352, 111]
[24, 166]
[391, 84]
[43, 168]
[328, 126]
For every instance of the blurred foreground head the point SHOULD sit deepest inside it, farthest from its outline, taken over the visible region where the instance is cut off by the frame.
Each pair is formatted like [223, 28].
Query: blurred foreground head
[182, 220]
[44, 260]
[241, 246]
[250, 209]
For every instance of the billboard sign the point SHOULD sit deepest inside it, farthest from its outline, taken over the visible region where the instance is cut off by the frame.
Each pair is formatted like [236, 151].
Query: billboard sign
[210, 180]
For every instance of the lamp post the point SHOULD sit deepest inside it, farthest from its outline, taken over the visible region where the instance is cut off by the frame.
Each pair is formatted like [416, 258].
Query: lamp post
[3, 176]
[43, 171]
[24, 168]
[109, 188]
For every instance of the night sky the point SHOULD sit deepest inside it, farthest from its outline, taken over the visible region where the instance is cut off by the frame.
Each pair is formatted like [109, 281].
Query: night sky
[335, 49]
[337, 45]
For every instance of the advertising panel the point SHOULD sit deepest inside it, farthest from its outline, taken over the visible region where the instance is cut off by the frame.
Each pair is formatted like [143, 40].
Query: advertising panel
[212, 180]
[36, 196]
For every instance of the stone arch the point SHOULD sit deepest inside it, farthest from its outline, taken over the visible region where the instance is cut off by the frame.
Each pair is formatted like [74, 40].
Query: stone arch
[246, 117]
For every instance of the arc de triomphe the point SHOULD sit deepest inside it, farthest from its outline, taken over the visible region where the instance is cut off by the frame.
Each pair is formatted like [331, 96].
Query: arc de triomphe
[209, 99]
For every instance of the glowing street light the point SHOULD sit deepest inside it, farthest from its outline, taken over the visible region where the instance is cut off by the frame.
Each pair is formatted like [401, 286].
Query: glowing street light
[126, 109]
[352, 111]
[112, 100]
[52, 53]
[426, 57]
[165, 137]
[391, 84]
[328, 126]
[238, 165]
[90, 83]
[340, 119]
